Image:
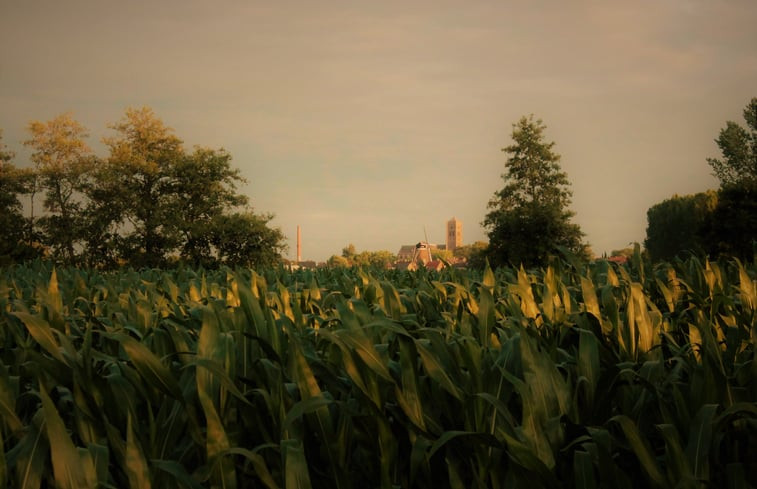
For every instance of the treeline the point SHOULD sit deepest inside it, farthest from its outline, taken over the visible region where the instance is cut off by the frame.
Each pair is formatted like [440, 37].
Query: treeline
[716, 222]
[148, 203]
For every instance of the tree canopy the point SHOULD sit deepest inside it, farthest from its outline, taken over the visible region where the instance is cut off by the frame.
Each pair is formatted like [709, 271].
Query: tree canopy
[679, 225]
[529, 217]
[148, 203]
[738, 146]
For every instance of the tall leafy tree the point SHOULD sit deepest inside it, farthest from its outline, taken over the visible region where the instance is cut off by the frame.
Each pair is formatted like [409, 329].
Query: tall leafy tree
[247, 239]
[529, 218]
[153, 202]
[132, 199]
[738, 146]
[203, 189]
[62, 162]
[732, 228]
[679, 224]
[14, 243]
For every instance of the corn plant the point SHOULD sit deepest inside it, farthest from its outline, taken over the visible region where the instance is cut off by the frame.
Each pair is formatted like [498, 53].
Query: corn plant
[568, 376]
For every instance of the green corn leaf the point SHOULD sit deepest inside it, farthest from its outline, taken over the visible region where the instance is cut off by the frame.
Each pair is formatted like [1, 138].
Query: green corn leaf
[588, 363]
[259, 465]
[447, 436]
[177, 471]
[33, 458]
[149, 366]
[3, 463]
[583, 470]
[641, 449]
[700, 438]
[7, 404]
[677, 462]
[304, 407]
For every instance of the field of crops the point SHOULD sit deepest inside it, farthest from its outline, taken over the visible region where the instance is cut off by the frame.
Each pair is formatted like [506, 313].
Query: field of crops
[598, 376]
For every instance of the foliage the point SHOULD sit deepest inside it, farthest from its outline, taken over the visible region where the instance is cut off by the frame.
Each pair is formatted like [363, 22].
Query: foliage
[14, 243]
[246, 239]
[529, 219]
[438, 254]
[150, 203]
[732, 226]
[350, 257]
[678, 225]
[739, 148]
[474, 254]
[596, 376]
[62, 162]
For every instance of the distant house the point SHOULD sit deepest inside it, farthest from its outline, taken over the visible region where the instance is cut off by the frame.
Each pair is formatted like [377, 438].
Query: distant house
[619, 259]
[435, 265]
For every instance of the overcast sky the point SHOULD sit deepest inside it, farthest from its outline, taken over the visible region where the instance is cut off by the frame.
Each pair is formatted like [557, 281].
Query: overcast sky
[364, 121]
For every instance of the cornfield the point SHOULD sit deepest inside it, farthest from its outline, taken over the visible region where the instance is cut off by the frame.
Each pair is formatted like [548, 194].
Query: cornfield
[571, 376]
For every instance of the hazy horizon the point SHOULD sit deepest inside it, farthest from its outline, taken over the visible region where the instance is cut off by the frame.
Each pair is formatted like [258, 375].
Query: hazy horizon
[366, 122]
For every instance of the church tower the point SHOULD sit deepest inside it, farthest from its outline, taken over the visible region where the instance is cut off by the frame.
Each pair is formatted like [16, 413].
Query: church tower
[454, 234]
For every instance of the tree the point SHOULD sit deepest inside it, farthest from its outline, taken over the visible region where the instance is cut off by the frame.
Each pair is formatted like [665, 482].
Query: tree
[739, 148]
[62, 162]
[377, 259]
[678, 224]
[438, 254]
[529, 217]
[132, 199]
[246, 239]
[152, 202]
[474, 254]
[349, 252]
[14, 244]
[731, 227]
[204, 189]
[337, 261]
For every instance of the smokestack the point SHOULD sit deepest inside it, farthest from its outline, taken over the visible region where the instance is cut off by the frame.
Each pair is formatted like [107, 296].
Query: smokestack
[299, 244]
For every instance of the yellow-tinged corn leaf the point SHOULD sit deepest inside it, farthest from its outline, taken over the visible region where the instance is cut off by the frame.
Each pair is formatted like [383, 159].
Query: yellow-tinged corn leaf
[488, 278]
[223, 474]
[296, 474]
[590, 298]
[136, 465]
[150, 367]
[67, 464]
[436, 371]
[40, 330]
[747, 290]
[408, 396]
[485, 316]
